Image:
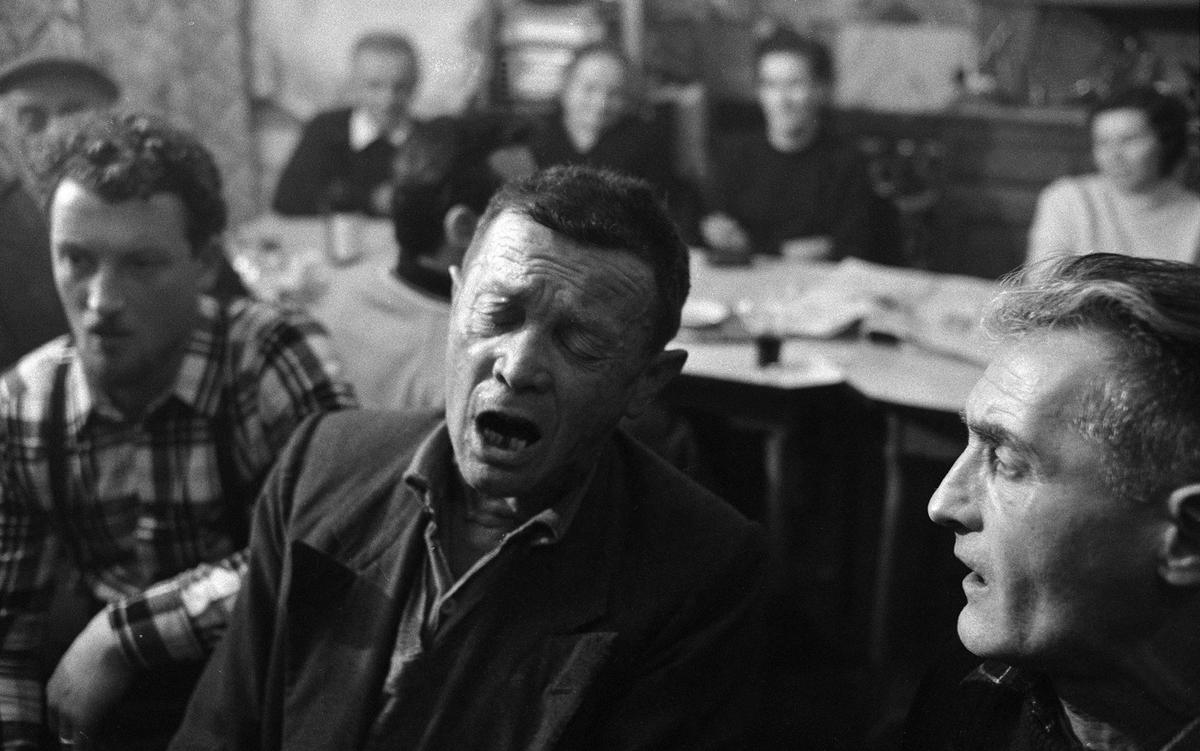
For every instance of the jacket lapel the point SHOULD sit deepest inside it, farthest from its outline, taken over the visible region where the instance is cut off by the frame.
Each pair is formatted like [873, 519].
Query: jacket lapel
[341, 623]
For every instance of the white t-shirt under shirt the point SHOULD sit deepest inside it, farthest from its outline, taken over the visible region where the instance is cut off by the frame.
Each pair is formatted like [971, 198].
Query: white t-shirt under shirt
[391, 338]
[1080, 215]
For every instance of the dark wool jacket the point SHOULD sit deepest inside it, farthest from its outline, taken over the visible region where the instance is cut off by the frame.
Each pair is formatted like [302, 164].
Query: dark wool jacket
[639, 629]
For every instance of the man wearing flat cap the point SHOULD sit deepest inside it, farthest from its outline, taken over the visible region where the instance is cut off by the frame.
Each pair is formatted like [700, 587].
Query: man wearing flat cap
[36, 93]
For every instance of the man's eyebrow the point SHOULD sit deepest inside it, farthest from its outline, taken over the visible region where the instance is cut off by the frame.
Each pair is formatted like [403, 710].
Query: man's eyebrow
[995, 434]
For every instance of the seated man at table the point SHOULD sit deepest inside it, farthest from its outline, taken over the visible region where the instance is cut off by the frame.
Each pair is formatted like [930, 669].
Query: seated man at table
[131, 449]
[389, 326]
[38, 94]
[518, 574]
[1076, 507]
[343, 161]
[795, 188]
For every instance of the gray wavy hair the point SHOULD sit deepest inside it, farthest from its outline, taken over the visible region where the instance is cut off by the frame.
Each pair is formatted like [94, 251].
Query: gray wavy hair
[1146, 408]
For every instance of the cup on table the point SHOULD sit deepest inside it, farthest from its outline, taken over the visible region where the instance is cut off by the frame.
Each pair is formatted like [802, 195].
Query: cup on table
[763, 320]
[816, 248]
[343, 238]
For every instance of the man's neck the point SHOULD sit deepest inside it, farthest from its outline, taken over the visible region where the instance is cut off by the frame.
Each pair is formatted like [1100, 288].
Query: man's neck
[428, 274]
[135, 400]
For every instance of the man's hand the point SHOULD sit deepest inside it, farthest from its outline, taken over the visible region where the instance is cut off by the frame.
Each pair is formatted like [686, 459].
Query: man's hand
[722, 233]
[90, 679]
[381, 200]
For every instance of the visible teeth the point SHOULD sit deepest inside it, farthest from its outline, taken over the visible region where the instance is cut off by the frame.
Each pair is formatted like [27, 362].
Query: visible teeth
[498, 439]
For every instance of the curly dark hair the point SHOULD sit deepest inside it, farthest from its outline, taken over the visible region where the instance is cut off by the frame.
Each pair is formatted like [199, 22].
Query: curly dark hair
[120, 156]
[605, 210]
[442, 165]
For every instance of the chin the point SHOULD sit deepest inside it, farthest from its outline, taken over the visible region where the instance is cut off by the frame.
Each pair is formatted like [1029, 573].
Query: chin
[976, 636]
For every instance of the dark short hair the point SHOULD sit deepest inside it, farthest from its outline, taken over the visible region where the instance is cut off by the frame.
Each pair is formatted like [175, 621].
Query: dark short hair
[120, 156]
[1145, 408]
[786, 40]
[605, 210]
[440, 167]
[1167, 116]
[392, 42]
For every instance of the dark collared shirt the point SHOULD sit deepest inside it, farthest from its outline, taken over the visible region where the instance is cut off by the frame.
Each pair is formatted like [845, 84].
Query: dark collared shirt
[439, 600]
[1049, 726]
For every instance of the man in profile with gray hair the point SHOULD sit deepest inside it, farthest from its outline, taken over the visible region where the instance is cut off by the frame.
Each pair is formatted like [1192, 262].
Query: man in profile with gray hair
[1076, 507]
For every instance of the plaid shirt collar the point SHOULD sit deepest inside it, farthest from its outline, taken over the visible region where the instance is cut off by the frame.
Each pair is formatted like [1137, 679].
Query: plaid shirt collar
[430, 471]
[197, 383]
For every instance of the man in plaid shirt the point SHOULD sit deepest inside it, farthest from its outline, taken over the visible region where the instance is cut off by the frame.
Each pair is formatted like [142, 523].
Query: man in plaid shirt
[131, 450]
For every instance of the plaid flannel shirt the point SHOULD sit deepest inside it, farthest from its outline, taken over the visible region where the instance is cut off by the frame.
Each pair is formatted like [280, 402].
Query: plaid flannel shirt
[145, 521]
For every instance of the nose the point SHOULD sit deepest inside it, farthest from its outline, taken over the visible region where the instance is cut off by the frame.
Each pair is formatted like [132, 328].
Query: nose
[953, 504]
[103, 292]
[521, 363]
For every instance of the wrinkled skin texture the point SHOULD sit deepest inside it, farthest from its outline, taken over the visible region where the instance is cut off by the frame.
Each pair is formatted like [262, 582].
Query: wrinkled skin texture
[1063, 570]
[554, 338]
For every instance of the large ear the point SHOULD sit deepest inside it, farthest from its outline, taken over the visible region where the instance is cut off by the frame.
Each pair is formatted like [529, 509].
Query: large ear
[1179, 558]
[662, 368]
[459, 225]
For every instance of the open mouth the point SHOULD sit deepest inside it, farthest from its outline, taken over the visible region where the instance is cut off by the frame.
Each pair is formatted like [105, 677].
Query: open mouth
[506, 432]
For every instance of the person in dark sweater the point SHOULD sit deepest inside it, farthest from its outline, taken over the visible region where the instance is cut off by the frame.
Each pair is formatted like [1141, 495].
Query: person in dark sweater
[599, 122]
[794, 188]
[343, 161]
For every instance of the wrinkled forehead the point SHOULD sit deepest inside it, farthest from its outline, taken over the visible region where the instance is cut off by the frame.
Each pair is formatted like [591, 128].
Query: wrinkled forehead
[517, 252]
[1045, 380]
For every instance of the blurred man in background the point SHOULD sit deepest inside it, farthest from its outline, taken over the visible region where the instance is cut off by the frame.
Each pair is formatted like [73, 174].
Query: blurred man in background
[389, 325]
[131, 450]
[343, 161]
[39, 95]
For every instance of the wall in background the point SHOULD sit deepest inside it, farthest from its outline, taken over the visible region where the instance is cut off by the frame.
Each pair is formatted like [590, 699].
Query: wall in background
[300, 48]
[183, 60]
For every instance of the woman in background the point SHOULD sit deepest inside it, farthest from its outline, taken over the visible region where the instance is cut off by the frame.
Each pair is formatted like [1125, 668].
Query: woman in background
[598, 122]
[1133, 204]
[794, 187]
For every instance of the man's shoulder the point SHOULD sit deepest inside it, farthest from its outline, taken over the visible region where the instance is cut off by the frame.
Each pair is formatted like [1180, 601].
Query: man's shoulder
[26, 386]
[671, 507]
[391, 432]
[966, 702]
[259, 325]
[352, 457]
